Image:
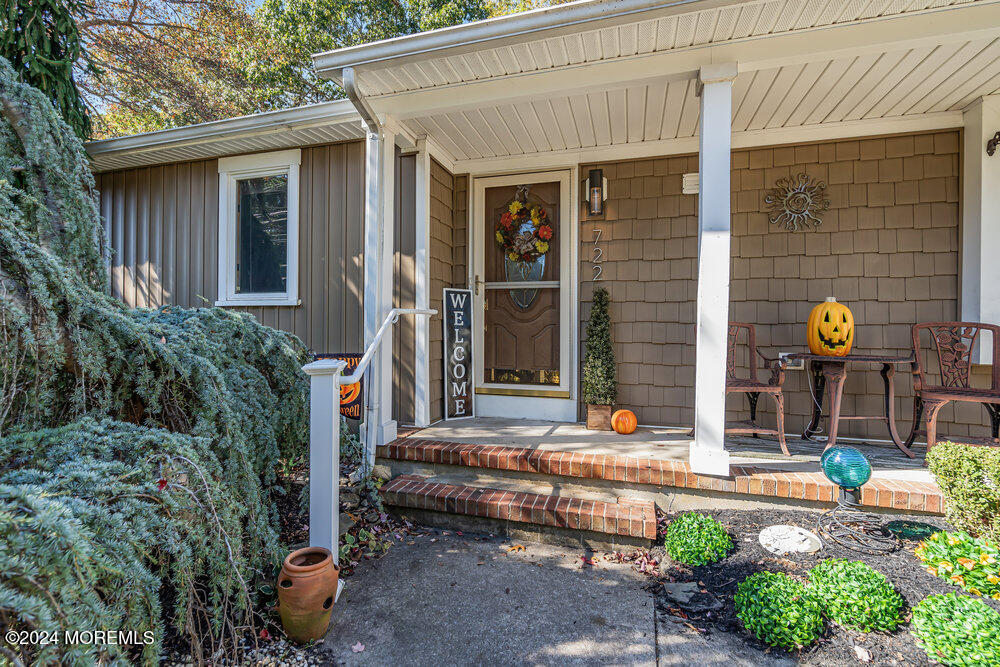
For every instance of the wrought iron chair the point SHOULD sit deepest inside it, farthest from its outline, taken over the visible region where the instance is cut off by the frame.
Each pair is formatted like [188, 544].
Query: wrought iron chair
[953, 342]
[753, 387]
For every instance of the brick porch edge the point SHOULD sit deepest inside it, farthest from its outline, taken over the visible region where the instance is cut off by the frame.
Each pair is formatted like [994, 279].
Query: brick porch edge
[887, 493]
[627, 517]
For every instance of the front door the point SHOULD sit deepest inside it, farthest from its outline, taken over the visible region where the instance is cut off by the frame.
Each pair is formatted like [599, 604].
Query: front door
[521, 273]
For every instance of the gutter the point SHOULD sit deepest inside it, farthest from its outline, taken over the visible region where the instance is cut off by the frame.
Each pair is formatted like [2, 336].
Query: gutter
[368, 115]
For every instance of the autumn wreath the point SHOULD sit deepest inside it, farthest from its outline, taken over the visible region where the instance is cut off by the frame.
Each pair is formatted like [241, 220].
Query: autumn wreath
[524, 232]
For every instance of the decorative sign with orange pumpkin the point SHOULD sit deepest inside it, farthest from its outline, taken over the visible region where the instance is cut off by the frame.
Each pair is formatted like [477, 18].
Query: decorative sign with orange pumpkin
[350, 394]
[830, 329]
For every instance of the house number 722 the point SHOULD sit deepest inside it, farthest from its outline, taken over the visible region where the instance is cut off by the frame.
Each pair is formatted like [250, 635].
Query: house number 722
[598, 256]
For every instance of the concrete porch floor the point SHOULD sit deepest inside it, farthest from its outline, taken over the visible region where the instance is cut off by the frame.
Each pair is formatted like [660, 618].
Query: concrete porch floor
[670, 444]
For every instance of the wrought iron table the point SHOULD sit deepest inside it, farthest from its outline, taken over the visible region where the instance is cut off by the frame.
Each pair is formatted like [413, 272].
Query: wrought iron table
[833, 371]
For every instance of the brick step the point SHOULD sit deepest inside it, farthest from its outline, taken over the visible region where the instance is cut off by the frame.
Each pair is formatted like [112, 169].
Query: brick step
[651, 474]
[629, 518]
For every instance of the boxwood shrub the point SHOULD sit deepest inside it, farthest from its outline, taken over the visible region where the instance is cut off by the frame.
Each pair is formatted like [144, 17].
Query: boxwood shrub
[957, 630]
[966, 561]
[697, 539]
[855, 596]
[969, 478]
[778, 610]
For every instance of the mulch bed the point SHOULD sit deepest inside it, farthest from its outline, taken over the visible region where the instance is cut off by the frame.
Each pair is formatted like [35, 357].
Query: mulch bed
[837, 647]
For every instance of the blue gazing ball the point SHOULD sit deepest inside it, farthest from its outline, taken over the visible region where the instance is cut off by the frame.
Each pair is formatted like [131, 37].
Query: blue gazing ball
[846, 467]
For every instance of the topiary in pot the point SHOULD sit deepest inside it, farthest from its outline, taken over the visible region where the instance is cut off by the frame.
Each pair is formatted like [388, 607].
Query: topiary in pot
[957, 630]
[697, 539]
[600, 386]
[778, 610]
[855, 596]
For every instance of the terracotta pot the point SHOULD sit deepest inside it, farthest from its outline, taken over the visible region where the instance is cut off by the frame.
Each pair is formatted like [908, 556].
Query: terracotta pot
[598, 417]
[307, 586]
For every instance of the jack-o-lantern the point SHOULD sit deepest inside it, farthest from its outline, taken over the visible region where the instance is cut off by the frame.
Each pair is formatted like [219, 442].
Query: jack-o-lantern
[349, 392]
[830, 330]
[624, 422]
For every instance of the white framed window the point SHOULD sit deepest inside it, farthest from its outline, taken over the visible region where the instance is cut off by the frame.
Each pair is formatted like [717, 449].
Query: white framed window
[259, 229]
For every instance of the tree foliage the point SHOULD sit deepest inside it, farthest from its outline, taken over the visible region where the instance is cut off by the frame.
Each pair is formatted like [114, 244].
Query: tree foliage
[42, 43]
[166, 63]
[138, 450]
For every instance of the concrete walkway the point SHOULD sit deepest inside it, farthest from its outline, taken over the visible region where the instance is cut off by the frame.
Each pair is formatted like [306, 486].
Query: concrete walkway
[452, 600]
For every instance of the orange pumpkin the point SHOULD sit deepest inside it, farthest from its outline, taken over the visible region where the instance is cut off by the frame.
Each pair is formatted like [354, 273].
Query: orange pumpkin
[624, 422]
[830, 329]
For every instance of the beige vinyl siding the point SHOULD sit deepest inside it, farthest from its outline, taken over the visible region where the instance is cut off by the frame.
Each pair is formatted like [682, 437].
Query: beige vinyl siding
[442, 265]
[404, 295]
[888, 248]
[163, 229]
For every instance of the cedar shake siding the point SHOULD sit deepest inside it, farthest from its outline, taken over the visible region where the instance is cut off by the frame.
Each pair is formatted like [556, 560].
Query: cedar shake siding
[888, 248]
[163, 223]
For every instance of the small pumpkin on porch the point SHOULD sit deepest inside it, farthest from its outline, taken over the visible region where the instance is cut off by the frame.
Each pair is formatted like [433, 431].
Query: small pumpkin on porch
[624, 422]
[830, 329]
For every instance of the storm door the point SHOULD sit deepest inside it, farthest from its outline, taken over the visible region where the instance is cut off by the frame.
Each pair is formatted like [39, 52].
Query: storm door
[521, 285]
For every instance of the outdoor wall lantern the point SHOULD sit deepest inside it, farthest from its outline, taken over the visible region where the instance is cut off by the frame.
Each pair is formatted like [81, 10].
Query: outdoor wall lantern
[597, 192]
[846, 524]
[991, 145]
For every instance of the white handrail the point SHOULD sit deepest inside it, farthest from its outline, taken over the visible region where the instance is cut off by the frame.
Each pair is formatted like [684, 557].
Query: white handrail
[366, 358]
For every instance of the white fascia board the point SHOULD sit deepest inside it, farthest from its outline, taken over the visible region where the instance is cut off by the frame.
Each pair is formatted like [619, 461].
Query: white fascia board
[326, 113]
[948, 25]
[689, 145]
[541, 23]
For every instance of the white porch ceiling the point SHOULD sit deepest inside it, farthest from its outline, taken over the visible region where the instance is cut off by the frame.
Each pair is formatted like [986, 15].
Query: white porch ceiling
[590, 75]
[927, 80]
[710, 26]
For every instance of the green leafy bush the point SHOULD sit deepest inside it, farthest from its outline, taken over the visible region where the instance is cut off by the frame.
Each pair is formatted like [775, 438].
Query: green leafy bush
[600, 384]
[856, 596]
[957, 630]
[969, 478]
[697, 539]
[966, 561]
[778, 610]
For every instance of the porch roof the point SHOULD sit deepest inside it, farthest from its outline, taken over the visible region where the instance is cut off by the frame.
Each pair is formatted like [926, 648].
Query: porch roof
[300, 126]
[573, 80]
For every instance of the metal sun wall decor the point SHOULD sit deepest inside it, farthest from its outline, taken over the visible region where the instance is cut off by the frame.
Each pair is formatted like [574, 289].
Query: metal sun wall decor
[797, 202]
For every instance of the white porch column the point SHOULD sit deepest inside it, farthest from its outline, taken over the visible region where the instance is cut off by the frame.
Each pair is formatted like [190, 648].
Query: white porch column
[421, 325]
[380, 153]
[386, 285]
[708, 454]
[980, 278]
[324, 453]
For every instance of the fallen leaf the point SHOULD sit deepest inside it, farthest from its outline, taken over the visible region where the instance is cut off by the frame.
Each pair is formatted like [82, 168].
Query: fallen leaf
[264, 634]
[358, 648]
[458, 532]
[864, 655]
[516, 547]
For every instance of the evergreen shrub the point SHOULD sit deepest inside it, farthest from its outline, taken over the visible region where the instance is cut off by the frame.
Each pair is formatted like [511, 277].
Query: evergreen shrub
[600, 384]
[778, 610]
[697, 539]
[854, 595]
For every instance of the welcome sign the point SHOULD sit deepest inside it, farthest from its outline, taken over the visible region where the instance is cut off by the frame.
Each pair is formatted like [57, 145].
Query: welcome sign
[458, 399]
